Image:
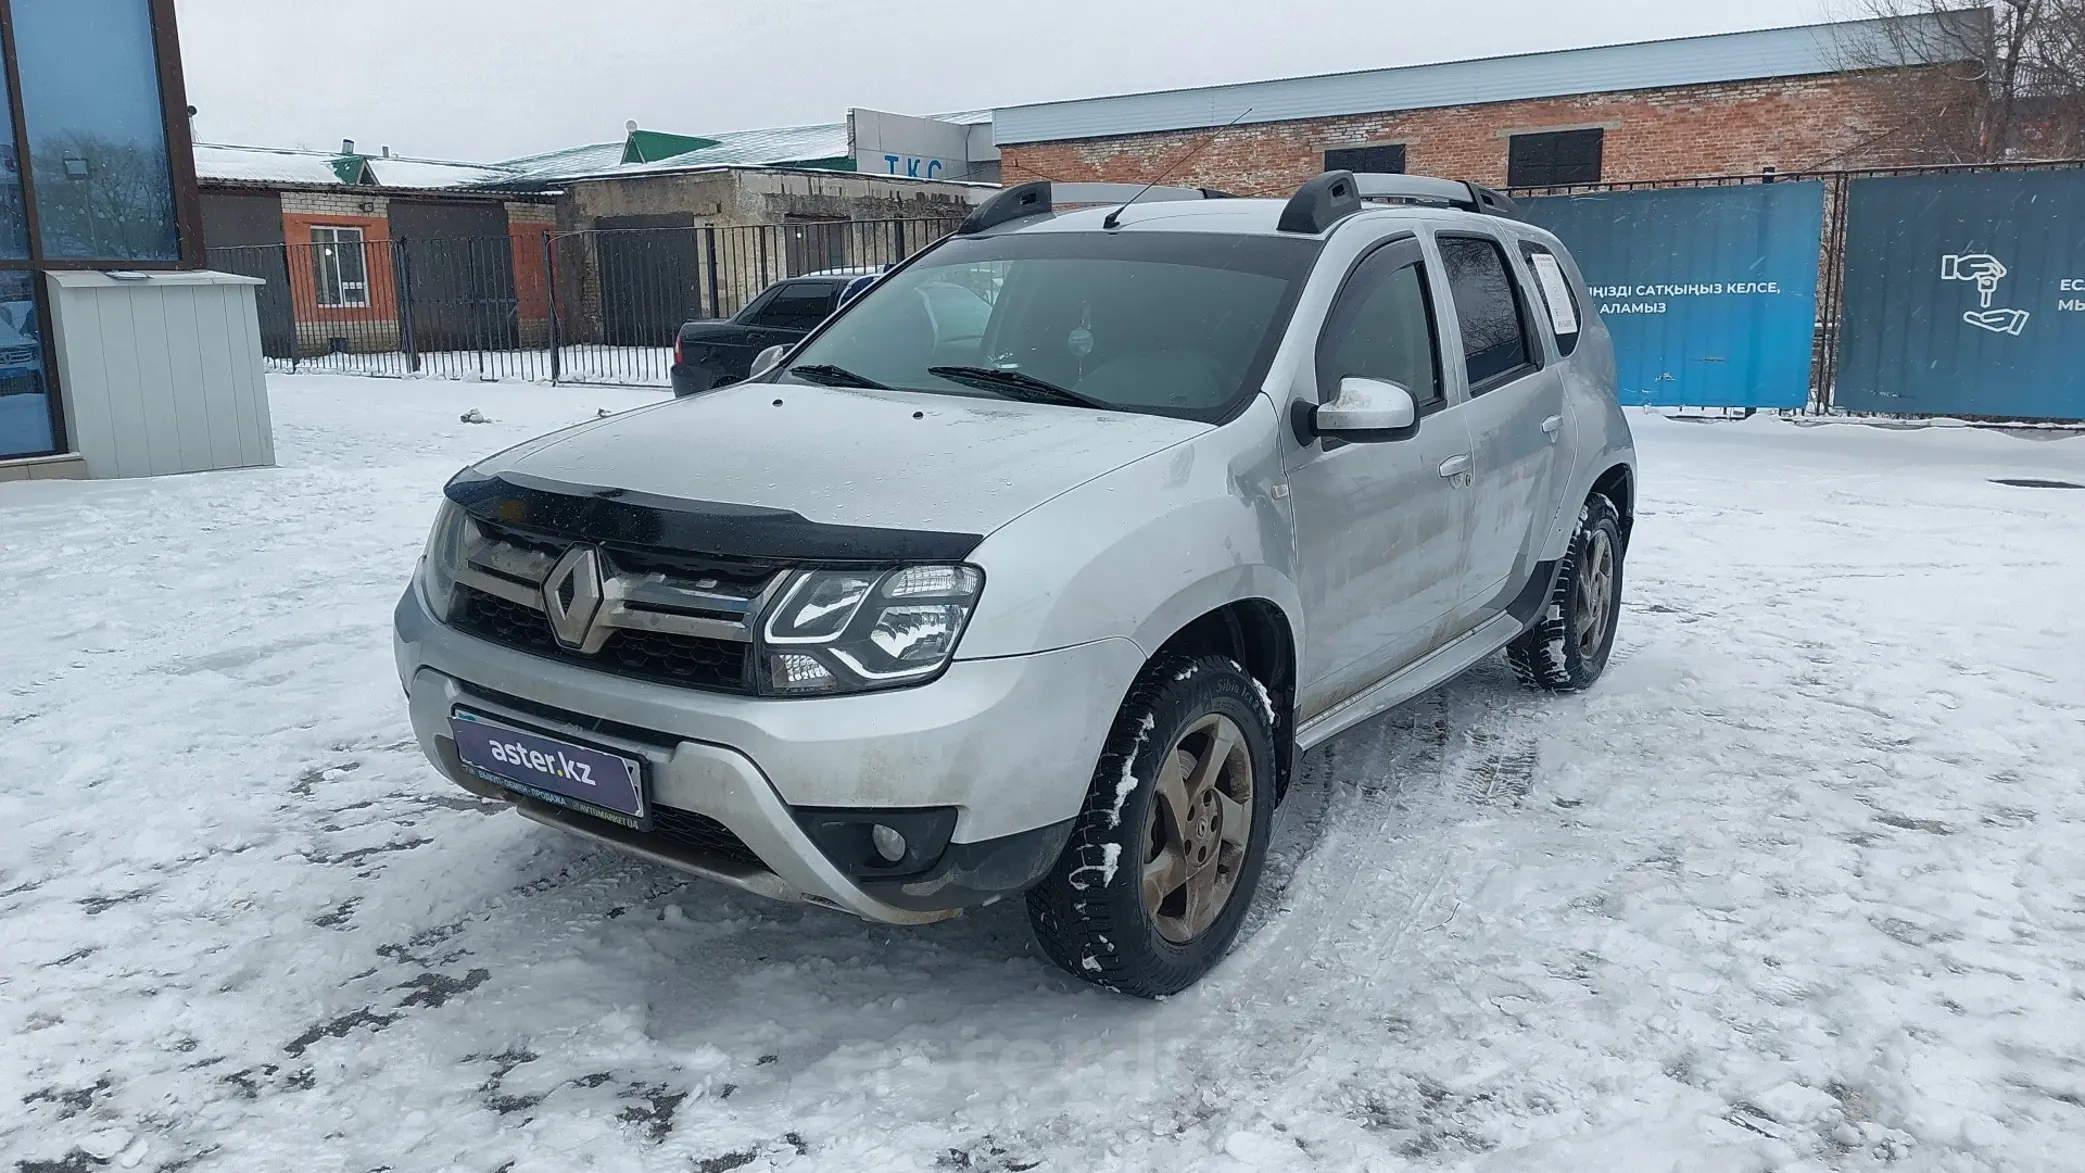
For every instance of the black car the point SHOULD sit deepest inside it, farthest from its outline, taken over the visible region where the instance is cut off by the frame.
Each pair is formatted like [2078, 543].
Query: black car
[713, 354]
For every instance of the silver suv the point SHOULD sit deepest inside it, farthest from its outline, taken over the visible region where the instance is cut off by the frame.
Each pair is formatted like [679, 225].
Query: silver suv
[921, 617]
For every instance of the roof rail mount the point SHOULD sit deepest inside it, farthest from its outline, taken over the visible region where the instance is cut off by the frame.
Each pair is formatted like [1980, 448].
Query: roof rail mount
[1042, 197]
[1326, 200]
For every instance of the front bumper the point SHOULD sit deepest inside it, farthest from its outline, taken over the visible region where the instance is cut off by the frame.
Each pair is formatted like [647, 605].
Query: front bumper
[1010, 743]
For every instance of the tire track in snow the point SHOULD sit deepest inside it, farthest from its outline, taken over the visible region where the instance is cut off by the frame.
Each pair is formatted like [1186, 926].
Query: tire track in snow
[1385, 866]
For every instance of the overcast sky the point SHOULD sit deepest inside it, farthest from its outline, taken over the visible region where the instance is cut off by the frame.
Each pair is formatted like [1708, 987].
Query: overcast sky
[492, 79]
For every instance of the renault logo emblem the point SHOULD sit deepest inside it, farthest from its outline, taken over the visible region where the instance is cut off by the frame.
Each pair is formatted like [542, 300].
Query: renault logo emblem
[572, 597]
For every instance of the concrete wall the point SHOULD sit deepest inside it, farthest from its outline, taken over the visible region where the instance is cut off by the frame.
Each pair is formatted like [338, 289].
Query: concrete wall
[1791, 124]
[767, 224]
[762, 196]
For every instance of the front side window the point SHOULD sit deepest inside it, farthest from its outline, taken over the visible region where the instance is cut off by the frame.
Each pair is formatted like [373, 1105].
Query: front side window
[1161, 323]
[796, 307]
[341, 267]
[1494, 335]
[1382, 327]
[97, 130]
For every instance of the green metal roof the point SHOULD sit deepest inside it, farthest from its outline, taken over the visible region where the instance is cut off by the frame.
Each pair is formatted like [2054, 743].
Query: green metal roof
[653, 146]
[822, 147]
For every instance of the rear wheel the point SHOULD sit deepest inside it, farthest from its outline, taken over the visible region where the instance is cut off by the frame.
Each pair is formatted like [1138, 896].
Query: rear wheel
[1568, 649]
[1167, 852]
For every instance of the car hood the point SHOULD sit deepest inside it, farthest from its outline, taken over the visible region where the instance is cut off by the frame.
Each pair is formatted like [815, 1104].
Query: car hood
[887, 460]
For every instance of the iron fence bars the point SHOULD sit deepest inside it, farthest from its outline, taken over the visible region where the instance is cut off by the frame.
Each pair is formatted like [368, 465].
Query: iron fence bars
[594, 306]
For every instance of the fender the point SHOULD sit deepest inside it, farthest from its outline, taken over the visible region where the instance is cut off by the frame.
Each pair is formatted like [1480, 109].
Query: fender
[1142, 551]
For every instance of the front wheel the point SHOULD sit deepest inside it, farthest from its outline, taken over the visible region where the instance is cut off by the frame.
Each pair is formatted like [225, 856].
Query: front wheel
[1165, 856]
[1568, 649]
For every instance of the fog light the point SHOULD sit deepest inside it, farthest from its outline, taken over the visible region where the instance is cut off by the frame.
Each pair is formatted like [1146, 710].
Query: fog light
[889, 844]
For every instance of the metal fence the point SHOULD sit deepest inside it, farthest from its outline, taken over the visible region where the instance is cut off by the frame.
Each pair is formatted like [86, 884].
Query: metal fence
[599, 306]
[1829, 337]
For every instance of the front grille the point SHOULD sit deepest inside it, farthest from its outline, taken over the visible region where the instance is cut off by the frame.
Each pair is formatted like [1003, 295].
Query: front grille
[688, 661]
[703, 834]
[679, 619]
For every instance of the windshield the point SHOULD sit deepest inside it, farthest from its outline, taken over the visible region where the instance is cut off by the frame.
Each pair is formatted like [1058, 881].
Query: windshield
[1179, 324]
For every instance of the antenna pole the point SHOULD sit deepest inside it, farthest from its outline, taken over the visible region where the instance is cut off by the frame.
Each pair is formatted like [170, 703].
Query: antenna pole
[1114, 219]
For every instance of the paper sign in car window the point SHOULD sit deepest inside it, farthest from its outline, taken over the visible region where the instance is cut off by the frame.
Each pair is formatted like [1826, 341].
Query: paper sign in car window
[1563, 312]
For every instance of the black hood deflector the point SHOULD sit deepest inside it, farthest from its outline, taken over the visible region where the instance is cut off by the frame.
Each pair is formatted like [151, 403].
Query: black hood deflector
[595, 513]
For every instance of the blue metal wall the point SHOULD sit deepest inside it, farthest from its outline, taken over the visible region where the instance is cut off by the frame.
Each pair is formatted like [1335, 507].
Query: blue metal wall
[1710, 292]
[1965, 295]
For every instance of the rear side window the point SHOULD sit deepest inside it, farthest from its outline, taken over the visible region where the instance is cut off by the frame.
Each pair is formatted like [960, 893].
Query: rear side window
[1382, 328]
[799, 306]
[1494, 334]
[1557, 296]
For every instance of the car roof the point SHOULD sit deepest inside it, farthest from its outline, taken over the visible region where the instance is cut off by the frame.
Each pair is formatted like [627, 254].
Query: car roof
[1254, 218]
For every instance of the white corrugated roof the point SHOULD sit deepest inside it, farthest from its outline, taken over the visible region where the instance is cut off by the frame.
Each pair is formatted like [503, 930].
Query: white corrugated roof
[424, 173]
[263, 165]
[222, 161]
[1746, 56]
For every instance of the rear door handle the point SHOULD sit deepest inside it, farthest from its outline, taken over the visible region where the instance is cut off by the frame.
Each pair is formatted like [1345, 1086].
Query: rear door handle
[1455, 466]
[1553, 424]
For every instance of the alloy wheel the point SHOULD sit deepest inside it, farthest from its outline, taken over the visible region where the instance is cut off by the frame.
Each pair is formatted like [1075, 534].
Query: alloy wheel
[1198, 828]
[1595, 593]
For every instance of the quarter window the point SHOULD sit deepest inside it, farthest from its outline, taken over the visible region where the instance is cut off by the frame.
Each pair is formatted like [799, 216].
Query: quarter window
[341, 267]
[1383, 328]
[1494, 332]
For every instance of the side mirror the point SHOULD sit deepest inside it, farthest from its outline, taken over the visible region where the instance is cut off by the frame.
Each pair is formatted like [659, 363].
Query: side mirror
[767, 360]
[1367, 409]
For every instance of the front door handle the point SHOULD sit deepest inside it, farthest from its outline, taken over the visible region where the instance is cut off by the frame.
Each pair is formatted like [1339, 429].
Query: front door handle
[1455, 466]
[1552, 425]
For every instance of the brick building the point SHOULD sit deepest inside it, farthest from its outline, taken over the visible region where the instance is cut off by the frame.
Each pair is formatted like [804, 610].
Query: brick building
[339, 238]
[377, 253]
[1732, 104]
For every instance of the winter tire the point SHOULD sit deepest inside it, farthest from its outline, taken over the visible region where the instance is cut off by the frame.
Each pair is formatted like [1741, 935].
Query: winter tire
[1567, 650]
[1165, 856]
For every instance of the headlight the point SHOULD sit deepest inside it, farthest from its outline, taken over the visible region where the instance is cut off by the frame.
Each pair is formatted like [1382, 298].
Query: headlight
[835, 631]
[444, 554]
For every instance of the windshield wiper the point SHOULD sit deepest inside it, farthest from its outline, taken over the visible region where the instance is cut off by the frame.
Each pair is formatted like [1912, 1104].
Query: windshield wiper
[1015, 385]
[832, 376]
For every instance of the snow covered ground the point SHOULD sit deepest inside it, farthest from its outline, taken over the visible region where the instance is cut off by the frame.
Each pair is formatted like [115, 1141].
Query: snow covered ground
[1800, 886]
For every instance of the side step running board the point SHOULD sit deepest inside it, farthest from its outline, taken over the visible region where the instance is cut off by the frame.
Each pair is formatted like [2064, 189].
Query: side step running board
[1439, 668]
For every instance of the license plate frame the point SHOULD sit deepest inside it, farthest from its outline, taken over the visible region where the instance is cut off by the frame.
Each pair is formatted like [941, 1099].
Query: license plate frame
[478, 733]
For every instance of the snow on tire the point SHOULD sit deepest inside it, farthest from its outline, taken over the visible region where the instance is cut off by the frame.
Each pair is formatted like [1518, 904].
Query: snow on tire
[1568, 649]
[1166, 854]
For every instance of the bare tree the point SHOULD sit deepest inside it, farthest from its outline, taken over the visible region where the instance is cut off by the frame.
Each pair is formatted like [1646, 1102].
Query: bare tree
[1975, 83]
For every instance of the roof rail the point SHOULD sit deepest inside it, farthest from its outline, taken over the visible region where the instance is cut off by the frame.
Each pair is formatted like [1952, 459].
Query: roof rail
[1335, 195]
[1042, 197]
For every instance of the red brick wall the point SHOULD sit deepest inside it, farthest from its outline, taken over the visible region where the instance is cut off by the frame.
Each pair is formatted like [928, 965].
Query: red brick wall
[376, 254]
[1792, 124]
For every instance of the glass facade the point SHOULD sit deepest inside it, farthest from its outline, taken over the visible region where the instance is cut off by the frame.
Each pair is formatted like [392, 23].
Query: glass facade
[97, 130]
[14, 220]
[86, 177]
[25, 393]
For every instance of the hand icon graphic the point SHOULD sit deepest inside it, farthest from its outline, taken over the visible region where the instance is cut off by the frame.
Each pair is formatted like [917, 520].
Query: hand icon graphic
[1984, 269]
[1999, 321]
